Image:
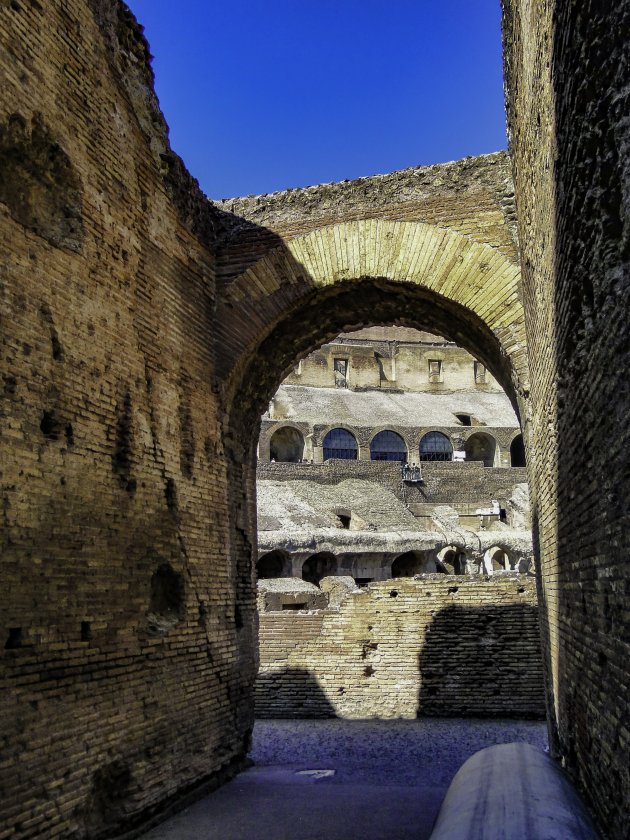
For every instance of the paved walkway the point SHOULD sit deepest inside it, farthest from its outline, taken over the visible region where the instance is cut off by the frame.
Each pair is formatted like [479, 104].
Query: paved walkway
[343, 779]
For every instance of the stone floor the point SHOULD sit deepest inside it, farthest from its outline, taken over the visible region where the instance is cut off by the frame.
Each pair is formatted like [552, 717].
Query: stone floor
[342, 779]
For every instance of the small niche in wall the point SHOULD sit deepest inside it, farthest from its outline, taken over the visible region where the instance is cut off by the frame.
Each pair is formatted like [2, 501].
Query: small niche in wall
[14, 639]
[168, 600]
[294, 607]
[435, 370]
[480, 373]
[86, 631]
[50, 425]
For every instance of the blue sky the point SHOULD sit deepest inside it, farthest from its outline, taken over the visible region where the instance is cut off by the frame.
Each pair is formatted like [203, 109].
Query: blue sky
[261, 95]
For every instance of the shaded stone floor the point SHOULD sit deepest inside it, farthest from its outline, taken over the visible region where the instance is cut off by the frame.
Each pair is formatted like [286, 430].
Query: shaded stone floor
[342, 779]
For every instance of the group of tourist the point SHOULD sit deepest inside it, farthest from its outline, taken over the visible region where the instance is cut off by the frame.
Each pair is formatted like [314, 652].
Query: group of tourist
[411, 472]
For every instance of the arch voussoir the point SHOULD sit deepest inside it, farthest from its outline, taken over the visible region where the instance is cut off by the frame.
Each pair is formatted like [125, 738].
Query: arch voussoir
[472, 276]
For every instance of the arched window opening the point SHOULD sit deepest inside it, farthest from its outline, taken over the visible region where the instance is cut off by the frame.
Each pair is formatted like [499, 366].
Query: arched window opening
[287, 444]
[340, 443]
[464, 419]
[496, 559]
[435, 446]
[481, 447]
[274, 564]
[452, 560]
[319, 566]
[388, 446]
[517, 452]
[412, 563]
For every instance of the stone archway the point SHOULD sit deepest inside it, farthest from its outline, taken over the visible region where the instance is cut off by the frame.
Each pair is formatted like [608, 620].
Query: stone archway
[517, 452]
[481, 446]
[496, 559]
[318, 566]
[306, 290]
[287, 444]
[273, 564]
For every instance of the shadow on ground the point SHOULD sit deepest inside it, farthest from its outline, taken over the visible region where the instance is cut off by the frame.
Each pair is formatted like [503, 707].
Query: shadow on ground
[373, 779]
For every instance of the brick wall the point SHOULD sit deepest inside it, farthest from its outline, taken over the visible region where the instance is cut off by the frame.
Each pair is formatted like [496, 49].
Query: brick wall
[121, 681]
[473, 196]
[401, 648]
[568, 105]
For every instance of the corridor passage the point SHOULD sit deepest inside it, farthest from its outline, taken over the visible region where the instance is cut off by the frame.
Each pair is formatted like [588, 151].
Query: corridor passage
[343, 779]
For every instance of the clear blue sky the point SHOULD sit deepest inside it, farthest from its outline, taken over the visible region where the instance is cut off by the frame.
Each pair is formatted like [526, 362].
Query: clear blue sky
[261, 95]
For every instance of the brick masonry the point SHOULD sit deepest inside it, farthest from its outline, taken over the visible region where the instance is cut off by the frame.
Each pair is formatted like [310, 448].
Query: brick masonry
[568, 101]
[145, 329]
[433, 645]
[125, 679]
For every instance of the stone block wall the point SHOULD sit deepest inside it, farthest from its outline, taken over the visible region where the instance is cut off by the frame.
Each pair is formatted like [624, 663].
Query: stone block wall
[390, 364]
[433, 645]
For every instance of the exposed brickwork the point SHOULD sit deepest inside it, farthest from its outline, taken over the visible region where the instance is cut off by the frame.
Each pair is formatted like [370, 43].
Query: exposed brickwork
[113, 699]
[429, 646]
[132, 384]
[568, 105]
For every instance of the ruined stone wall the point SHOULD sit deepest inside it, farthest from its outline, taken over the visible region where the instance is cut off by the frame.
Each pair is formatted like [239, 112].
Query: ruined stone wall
[124, 675]
[443, 482]
[434, 645]
[568, 104]
[473, 196]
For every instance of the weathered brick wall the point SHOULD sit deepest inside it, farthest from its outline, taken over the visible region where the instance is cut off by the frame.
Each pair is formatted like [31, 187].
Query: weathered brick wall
[401, 648]
[124, 677]
[568, 105]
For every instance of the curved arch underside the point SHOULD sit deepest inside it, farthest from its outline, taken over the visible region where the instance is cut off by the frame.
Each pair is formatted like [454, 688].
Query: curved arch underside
[353, 274]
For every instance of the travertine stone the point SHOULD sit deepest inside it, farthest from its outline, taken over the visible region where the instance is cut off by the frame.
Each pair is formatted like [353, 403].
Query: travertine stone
[430, 645]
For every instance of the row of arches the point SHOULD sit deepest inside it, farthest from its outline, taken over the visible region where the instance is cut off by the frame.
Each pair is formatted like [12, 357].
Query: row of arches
[287, 445]
[451, 560]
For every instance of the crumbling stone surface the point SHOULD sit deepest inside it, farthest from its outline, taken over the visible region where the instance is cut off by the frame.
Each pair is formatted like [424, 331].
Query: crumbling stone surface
[433, 645]
[329, 405]
[337, 588]
[289, 593]
[474, 196]
[519, 507]
[38, 183]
